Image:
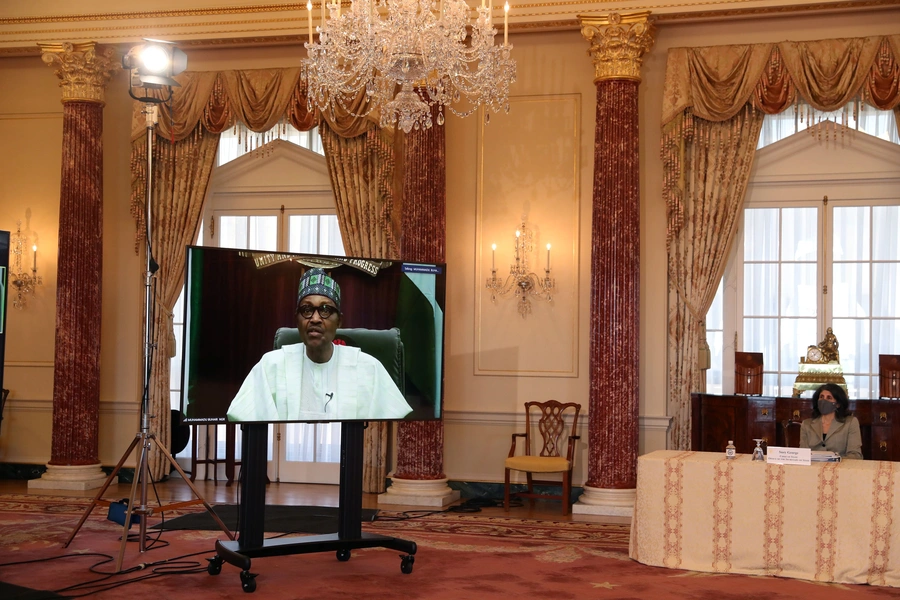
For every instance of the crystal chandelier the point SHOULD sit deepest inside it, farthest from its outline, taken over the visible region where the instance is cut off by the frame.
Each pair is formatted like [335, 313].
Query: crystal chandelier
[24, 283]
[526, 284]
[431, 51]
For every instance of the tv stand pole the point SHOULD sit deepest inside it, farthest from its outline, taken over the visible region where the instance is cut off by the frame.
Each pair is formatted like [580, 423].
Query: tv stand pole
[251, 512]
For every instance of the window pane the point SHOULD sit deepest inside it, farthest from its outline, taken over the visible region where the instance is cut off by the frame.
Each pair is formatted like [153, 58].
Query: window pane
[886, 289]
[175, 361]
[232, 232]
[330, 233]
[851, 233]
[787, 385]
[761, 290]
[303, 234]
[328, 436]
[850, 290]
[799, 234]
[298, 440]
[714, 319]
[885, 337]
[798, 290]
[761, 335]
[313, 442]
[714, 374]
[796, 335]
[770, 385]
[263, 233]
[761, 234]
[853, 335]
[858, 386]
[885, 240]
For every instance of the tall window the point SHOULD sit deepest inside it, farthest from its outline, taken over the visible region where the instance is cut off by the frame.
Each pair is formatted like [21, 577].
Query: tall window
[780, 289]
[273, 224]
[801, 266]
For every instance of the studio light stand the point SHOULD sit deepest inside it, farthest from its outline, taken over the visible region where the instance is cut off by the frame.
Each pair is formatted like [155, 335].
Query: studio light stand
[144, 438]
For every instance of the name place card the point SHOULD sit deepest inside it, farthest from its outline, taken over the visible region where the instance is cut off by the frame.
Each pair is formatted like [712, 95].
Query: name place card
[788, 456]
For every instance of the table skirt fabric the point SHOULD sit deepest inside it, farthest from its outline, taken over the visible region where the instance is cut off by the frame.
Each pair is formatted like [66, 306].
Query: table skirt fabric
[824, 522]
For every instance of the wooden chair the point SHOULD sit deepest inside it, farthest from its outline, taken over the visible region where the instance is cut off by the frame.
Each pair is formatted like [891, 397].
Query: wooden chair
[889, 375]
[545, 434]
[748, 373]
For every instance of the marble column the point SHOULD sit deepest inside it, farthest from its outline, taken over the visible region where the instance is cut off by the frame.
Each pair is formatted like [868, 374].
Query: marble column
[618, 43]
[74, 464]
[418, 478]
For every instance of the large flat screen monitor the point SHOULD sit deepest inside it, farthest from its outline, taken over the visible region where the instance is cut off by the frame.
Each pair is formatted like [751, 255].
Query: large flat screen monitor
[241, 337]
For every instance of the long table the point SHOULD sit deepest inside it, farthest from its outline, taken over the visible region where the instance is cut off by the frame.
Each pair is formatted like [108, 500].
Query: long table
[836, 522]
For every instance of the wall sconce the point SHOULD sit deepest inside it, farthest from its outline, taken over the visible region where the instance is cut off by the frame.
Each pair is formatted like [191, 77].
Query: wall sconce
[527, 285]
[24, 283]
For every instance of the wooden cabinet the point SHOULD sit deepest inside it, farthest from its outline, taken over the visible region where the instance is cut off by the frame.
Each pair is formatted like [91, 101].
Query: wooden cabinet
[717, 419]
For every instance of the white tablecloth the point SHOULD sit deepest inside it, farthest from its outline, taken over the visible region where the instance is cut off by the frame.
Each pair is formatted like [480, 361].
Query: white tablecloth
[825, 522]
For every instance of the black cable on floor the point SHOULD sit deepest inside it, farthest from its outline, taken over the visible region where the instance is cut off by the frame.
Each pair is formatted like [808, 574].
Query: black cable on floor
[472, 505]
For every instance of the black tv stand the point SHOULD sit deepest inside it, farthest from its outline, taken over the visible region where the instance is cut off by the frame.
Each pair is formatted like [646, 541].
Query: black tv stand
[251, 513]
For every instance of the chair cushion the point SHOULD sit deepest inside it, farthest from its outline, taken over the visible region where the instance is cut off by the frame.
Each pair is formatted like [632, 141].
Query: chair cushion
[383, 344]
[538, 464]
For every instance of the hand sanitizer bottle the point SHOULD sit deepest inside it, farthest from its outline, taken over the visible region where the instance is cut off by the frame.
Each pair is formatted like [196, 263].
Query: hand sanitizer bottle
[730, 452]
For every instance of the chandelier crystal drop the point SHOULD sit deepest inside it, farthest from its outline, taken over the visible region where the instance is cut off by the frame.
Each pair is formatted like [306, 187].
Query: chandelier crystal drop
[406, 57]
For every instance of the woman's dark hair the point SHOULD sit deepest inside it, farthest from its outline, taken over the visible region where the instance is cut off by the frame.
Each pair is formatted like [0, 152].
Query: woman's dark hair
[843, 403]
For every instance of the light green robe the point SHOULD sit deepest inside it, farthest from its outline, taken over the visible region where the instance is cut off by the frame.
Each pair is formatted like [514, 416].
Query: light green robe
[271, 391]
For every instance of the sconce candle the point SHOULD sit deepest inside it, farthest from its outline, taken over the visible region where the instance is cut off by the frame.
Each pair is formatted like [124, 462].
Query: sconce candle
[521, 283]
[24, 283]
[309, 19]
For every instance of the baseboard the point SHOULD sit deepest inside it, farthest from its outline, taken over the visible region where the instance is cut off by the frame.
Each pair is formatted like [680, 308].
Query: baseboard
[29, 471]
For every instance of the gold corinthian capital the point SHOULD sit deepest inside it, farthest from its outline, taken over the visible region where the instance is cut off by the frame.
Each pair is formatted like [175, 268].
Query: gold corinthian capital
[83, 69]
[618, 43]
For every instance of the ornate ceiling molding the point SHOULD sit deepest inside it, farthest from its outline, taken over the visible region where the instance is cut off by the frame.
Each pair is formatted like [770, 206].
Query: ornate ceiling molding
[25, 24]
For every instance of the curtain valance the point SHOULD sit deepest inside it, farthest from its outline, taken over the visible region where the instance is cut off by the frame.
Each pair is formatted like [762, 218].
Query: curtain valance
[258, 98]
[714, 83]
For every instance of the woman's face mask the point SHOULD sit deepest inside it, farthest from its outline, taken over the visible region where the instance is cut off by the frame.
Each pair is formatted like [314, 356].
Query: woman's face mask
[826, 403]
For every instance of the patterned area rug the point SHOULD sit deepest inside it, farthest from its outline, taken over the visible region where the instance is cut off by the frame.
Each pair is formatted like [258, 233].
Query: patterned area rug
[459, 556]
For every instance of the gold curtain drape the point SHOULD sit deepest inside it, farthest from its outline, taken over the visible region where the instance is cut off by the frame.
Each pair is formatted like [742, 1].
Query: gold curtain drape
[180, 184]
[206, 104]
[713, 106]
[717, 160]
[362, 177]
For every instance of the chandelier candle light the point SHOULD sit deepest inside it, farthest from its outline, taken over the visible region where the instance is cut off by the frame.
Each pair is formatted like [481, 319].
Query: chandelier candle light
[526, 285]
[24, 283]
[431, 51]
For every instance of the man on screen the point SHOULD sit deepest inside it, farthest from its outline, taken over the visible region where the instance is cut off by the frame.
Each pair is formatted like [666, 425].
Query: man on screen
[317, 380]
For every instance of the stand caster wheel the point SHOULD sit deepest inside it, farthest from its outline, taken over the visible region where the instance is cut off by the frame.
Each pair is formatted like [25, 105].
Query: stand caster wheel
[248, 581]
[406, 563]
[343, 555]
[215, 565]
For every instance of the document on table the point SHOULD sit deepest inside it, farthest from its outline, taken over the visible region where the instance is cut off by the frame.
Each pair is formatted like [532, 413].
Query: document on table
[825, 456]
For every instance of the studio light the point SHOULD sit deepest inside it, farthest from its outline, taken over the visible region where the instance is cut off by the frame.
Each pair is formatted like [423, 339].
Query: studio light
[153, 65]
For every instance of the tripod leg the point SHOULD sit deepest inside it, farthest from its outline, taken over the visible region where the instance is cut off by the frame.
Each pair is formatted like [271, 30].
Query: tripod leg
[197, 493]
[138, 477]
[103, 489]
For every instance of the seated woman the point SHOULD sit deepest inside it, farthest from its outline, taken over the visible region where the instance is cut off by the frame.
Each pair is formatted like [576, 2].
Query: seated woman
[831, 427]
